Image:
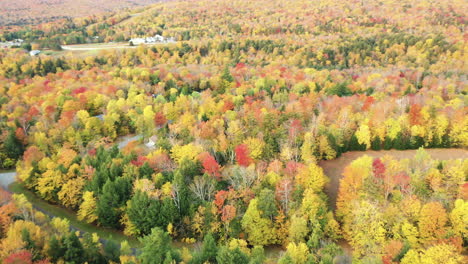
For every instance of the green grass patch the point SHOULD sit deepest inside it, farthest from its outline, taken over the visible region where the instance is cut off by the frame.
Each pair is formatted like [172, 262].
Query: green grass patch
[61, 212]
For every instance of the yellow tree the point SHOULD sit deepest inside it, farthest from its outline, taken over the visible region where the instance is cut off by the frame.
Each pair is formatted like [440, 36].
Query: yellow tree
[432, 221]
[260, 231]
[311, 204]
[312, 177]
[459, 218]
[298, 229]
[70, 193]
[189, 151]
[442, 253]
[87, 211]
[307, 148]
[255, 147]
[363, 135]
[297, 252]
[49, 182]
[365, 229]
[13, 240]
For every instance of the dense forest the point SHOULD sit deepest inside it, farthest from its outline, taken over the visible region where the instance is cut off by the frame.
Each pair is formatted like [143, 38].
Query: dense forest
[215, 141]
[33, 12]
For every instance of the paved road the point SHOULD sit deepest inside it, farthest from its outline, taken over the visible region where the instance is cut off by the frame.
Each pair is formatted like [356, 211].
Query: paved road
[7, 178]
[123, 141]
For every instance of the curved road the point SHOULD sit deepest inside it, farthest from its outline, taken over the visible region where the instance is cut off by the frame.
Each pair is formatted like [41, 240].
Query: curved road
[9, 177]
[332, 169]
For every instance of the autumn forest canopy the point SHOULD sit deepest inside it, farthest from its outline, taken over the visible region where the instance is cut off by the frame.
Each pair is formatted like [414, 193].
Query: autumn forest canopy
[211, 148]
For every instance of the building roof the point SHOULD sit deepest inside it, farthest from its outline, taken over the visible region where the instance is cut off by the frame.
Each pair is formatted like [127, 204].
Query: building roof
[34, 52]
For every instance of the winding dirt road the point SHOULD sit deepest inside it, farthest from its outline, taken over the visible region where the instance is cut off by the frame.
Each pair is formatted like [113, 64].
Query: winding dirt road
[334, 168]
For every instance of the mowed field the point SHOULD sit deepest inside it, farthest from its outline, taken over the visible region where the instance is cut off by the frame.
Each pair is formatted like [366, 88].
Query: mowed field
[334, 168]
[94, 49]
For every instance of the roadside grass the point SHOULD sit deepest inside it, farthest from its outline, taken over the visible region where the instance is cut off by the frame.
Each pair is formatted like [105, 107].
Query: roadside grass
[272, 252]
[57, 211]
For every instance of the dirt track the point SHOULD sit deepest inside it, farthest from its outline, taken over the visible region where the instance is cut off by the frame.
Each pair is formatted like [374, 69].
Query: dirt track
[334, 168]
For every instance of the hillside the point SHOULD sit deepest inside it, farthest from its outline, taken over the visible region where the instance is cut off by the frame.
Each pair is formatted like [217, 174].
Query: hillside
[235, 130]
[38, 11]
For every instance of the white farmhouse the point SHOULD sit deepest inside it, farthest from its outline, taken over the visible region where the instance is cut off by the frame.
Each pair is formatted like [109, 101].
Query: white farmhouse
[137, 41]
[159, 38]
[151, 40]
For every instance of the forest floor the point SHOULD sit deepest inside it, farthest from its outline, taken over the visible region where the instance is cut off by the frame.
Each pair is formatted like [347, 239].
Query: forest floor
[334, 168]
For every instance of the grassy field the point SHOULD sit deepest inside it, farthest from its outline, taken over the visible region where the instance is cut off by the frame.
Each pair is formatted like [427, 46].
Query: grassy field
[93, 49]
[334, 168]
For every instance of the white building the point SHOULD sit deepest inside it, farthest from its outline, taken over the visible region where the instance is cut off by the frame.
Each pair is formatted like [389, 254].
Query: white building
[159, 38]
[34, 52]
[151, 142]
[137, 41]
[151, 40]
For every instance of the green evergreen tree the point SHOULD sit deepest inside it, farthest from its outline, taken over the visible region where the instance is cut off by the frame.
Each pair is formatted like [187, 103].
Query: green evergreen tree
[144, 212]
[74, 251]
[266, 203]
[13, 147]
[111, 251]
[209, 249]
[400, 142]
[146, 171]
[286, 259]
[107, 206]
[92, 250]
[168, 259]
[56, 249]
[376, 144]
[388, 143]
[30, 245]
[225, 255]
[155, 247]
[258, 255]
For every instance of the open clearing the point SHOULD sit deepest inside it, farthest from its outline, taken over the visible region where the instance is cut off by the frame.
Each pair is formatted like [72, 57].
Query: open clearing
[334, 168]
[98, 46]
[106, 46]
[94, 49]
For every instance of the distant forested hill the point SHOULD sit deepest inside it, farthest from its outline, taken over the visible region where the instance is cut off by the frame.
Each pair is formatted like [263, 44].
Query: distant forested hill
[38, 11]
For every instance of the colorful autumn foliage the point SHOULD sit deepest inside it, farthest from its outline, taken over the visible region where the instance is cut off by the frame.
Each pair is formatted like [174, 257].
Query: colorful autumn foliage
[219, 136]
[397, 203]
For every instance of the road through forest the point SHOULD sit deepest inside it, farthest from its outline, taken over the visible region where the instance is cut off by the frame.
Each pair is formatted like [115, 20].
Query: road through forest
[332, 168]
